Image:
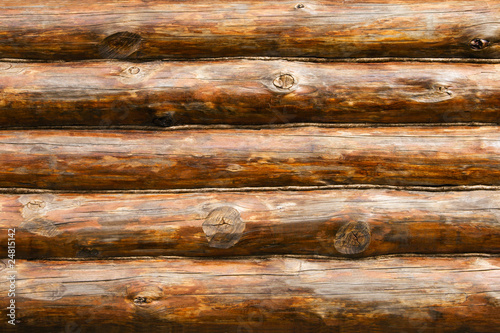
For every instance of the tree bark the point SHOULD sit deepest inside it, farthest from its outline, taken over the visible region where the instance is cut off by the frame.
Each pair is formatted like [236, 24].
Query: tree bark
[75, 30]
[243, 92]
[271, 223]
[411, 294]
[305, 156]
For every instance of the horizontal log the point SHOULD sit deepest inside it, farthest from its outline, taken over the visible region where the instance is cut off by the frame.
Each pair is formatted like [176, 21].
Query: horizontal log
[408, 294]
[304, 156]
[273, 222]
[245, 92]
[75, 30]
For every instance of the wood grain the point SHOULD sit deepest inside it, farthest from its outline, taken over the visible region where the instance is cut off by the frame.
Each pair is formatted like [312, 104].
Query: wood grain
[231, 158]
[409, 294]
[154, 29]
[244, 92]
[273, 222]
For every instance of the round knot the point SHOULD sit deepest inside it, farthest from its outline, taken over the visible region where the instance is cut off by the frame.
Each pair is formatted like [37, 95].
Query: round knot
[134, 70]
[478, 44]
[223, 227]
[352, 238]
[284, 81]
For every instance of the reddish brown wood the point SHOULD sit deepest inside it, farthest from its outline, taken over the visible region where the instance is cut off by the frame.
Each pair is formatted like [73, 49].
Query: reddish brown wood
[251, 223]
[103, 160]
[245, 92]
[154, 29]
[408, 294]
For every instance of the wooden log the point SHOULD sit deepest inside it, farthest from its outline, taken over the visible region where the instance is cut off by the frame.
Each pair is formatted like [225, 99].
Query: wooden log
[304, 156]
[269, 222]
[75, 30]
[409, 294]
[245, 92]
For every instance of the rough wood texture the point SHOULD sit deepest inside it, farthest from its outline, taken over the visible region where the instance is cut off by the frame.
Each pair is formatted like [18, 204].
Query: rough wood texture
[408, 294]
[73, 30]
[103, 160]
[245, 92]
[254, 223]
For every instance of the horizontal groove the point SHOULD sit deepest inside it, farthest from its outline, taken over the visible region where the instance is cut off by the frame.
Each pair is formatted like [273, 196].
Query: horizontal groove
[297, 59]
[274, 256]
[451, 188]
[250, 127]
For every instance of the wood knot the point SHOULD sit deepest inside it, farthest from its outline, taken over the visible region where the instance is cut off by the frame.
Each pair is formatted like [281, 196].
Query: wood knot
[84, 252]
[139, 300]
[134, 70]
[164, 121]
[223, 227]
[119, 45]
[141, 293]
[35, 205]
[352, 238]
[478, 44]
[284, 81]
[299, 6]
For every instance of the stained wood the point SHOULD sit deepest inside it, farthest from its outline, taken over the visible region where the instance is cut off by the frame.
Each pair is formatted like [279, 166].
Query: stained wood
[74, 30]
[244, 92]
[410, 294]
[231, 158]
[255, 223]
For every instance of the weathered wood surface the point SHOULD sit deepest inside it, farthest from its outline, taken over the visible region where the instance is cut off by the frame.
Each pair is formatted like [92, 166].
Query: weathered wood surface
[245, 92]
[74, 30]
[121, 160]
[302, 222]
[408, 294]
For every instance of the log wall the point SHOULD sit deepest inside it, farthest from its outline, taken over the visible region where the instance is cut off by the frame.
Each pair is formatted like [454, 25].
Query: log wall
[249, 166]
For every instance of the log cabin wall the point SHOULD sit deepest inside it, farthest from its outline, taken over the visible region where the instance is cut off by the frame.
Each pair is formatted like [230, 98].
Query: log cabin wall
[250, 166]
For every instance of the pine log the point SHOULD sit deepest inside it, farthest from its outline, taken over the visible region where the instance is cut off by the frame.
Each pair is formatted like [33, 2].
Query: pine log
[271, 222]
[233, 158]
[245, 92]
[154, 29]
[409, 294]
